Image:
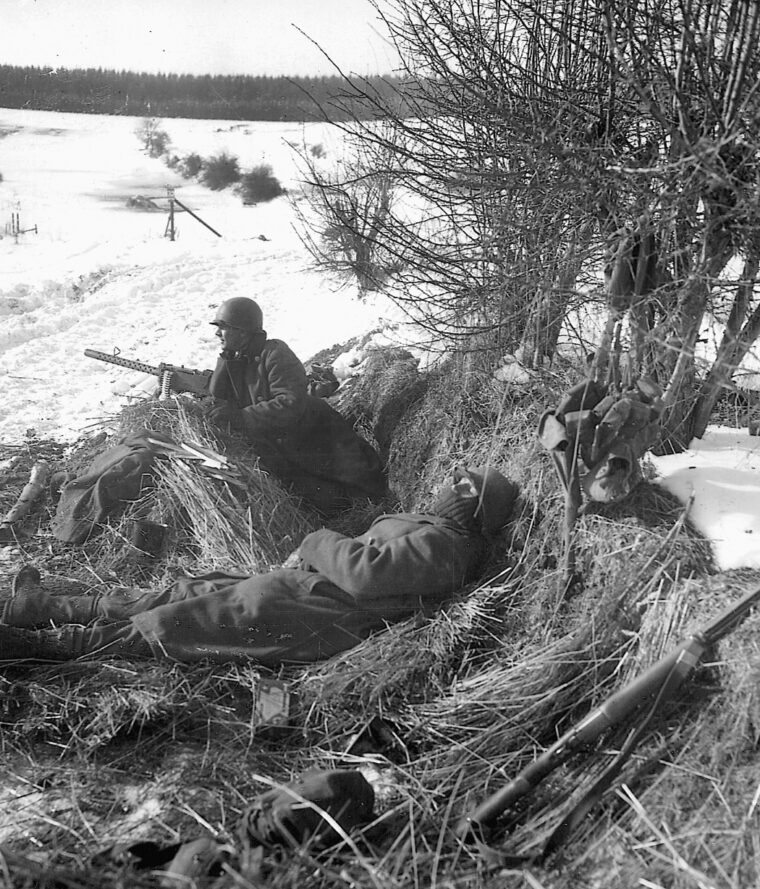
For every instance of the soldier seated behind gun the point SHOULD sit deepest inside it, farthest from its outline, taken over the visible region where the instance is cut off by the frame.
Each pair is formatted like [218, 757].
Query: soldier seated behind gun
[260, 389]
[342, 590]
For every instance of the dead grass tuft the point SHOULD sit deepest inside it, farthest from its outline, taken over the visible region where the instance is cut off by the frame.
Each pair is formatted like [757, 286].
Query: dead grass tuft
[81, 707]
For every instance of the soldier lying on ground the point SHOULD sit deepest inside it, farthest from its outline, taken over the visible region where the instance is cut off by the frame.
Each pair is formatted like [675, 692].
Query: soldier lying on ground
[260, 389]
[343, 590]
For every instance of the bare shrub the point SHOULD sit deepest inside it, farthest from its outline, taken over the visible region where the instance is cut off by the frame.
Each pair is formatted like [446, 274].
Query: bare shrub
[259, 185]
[567, 154]
[219, 171]
[350, 208]
[191, 165]
[154, 139]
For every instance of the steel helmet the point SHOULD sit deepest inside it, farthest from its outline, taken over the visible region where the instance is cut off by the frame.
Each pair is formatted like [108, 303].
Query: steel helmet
[497, 496]
[240, 312]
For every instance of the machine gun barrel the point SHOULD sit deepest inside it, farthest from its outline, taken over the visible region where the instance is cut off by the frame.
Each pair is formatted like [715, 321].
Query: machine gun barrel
[124, 362]
[172, 377]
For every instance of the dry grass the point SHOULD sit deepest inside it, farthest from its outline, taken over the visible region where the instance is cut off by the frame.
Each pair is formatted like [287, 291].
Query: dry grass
[97, 752]
[224, 526]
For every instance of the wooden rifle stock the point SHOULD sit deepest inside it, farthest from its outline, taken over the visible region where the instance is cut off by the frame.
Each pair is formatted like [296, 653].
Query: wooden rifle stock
[667, 674]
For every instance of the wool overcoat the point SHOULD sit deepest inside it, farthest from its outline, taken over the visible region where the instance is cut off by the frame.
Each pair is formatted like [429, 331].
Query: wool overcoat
[299, 438]
[348, 588]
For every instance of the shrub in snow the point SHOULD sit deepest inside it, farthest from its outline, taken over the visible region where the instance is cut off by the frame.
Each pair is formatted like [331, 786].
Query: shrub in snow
[220, 171]
[317, 150]
[348, 226]
[353, 215]
[155, 140]
[191, 165]
[259, 184]
[160, 144]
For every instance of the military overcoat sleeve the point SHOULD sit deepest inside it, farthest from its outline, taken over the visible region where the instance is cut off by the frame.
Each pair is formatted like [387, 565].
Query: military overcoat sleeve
[280, 391]
[421, 563]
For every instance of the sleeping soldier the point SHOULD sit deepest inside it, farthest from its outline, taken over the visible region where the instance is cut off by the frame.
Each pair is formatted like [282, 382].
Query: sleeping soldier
[260, 389]
[343, 590]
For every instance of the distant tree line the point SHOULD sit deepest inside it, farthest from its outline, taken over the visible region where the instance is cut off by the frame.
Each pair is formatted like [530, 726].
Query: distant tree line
[99, 91]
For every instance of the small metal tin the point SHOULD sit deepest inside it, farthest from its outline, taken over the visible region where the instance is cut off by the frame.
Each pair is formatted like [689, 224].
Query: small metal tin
[147, 537]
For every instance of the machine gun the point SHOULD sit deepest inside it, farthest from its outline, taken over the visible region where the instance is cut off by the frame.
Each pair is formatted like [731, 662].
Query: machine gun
[171, 377]
[643, 695]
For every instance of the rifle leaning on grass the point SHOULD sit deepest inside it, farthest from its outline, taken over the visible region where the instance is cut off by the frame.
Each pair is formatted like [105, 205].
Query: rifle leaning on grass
[10, 524]
[650, 690]
[172, 378]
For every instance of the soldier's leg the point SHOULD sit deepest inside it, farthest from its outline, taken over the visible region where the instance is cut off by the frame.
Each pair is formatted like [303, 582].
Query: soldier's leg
[30, 606]
[73, 641]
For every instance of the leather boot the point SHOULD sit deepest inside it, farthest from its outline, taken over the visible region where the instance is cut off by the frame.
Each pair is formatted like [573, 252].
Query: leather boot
[28, 577]
[49, 645]
[72, 641]
[15, 644]
[38, 609]
[31, 607]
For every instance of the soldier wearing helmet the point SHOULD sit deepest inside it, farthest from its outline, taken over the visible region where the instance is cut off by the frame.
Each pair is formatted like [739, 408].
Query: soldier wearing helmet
[334, 592]
[260, 389]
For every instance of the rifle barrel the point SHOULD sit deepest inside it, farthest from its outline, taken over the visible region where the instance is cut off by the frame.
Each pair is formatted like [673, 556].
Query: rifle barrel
[123, 362]
[615, 709]
[731, 617]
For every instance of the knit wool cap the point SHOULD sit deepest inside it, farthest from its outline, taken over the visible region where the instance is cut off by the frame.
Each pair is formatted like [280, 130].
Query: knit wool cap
[497, 495]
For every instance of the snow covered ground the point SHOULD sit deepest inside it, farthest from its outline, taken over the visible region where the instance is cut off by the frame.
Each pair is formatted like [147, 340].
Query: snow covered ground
[719, 477]
[101, 275]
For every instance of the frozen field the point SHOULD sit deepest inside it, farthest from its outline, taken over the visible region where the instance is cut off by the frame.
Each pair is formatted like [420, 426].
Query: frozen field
[99, 274]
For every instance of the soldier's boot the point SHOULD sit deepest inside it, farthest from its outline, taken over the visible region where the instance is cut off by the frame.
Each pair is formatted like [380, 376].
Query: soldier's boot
[30, 606]
[73, 641]
[28, 577]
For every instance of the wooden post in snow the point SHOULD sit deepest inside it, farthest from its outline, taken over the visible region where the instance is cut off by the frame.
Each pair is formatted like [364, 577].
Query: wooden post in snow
[196, 216]
[170, 231]
[173, 200]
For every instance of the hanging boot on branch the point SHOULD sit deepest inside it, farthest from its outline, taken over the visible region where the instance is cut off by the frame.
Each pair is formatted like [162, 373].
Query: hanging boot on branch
[605, 432]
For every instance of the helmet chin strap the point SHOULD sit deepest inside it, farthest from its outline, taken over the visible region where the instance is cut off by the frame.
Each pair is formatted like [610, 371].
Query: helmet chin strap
[251, 349]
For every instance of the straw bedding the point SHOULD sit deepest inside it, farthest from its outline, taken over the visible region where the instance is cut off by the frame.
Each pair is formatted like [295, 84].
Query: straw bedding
[467, 696]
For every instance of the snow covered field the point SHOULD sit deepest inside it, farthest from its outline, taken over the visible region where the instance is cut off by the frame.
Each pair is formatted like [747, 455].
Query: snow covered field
[101, 275]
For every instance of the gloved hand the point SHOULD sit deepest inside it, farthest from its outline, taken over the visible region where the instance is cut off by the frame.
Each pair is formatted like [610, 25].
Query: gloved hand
[293, 560]
[223, 413]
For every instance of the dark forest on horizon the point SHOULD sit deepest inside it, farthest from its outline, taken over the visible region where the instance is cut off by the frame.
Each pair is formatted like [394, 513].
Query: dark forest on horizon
[212, 97]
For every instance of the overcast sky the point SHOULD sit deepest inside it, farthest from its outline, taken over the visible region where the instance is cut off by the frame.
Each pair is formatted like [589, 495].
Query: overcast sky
[195, 36]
